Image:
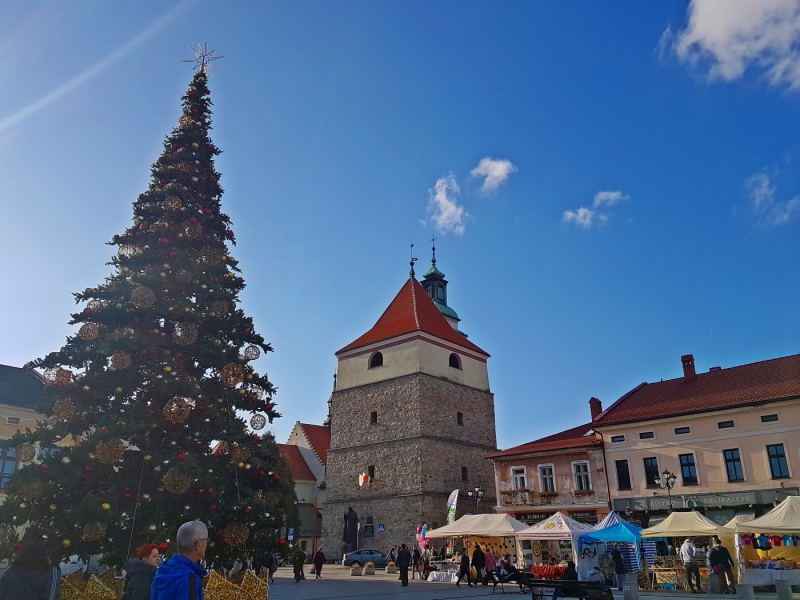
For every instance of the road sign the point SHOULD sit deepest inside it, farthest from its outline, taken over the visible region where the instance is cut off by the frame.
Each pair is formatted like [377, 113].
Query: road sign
[291, 533]
[381, 528]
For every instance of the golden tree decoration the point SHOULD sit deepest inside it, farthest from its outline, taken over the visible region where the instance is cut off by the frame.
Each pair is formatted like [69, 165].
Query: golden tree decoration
[172, 203]
[63, 410]
[219, 307]
[176, 483]
[185, 121]
[210, 256]
[120, 360]
[232, 374]
[56, 376]
[110, 451]
[177, 410]
[184, 334]
[258, 422]
[252, 352]
[191, 230]
[126, 250]
[143, 297]
[26, 452]
[239, 454]
[236, 534]
[93, 532]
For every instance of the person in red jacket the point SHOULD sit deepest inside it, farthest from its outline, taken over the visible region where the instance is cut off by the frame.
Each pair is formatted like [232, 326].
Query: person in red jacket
[318, 560]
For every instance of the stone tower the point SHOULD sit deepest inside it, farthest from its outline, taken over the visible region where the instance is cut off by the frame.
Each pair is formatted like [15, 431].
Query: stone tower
[412, 409]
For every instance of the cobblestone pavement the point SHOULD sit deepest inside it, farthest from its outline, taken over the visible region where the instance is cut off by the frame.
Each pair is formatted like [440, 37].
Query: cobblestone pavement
[337, 584]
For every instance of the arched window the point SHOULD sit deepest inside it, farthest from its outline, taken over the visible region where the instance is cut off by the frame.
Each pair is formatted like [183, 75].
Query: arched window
[455, 361]
[376, 360]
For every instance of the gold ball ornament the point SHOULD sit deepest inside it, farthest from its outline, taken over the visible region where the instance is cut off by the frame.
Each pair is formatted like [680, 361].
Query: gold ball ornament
[66, 543]
[236, 534]
[258, 422]
[120, 360]
[172, 203]
[53, 508]
[110, 451]
[94, 531]
[105, 506]
[63, 410]
[176, 483]
[185, 121]
[143, 297]
[26, 452]
[184, 334]
[89, 331]
[232, 374]
[177, 410]
[167, 369]
[252, 352]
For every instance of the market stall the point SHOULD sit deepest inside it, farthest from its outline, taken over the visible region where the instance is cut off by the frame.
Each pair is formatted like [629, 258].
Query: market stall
[768, 548]
[495, 532]
[550, 541]
[680, 525]
[592, 546]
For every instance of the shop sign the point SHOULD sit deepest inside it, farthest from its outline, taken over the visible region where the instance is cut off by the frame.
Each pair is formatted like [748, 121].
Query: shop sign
[707, 500]
[587, 516]
[533, 517]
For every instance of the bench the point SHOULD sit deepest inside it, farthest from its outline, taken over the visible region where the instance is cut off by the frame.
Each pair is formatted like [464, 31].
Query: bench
[591, 590]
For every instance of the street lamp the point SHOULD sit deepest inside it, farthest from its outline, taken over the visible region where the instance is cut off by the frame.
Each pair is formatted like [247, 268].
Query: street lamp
[667, 482]
[476, 493]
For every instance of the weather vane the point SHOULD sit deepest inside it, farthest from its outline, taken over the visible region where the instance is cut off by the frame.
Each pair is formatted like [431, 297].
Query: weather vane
[202, 57]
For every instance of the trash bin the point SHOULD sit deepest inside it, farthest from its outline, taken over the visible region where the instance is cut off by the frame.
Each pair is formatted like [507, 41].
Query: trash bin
[630, 587]
[713, 583]
[784, 589]
[744, 591]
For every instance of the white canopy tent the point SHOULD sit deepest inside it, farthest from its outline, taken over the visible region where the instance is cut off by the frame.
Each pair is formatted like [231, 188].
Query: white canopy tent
[479, 526]
[554, 528]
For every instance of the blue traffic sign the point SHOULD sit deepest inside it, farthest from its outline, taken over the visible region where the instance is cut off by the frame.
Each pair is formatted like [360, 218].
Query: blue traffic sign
[381, 528]
[291, 533]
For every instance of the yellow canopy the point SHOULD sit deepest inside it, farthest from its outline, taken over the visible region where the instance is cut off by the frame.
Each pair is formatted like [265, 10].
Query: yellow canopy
[479, 525]
[783, 519]
[680, 524]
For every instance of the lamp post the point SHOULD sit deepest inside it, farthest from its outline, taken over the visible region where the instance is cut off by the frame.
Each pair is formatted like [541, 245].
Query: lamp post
[667, 482]
[476, 493]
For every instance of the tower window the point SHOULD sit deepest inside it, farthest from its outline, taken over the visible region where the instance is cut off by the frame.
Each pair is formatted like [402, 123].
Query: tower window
[371, 472]
[460, 418]
[373, 416]
[376, 360]
[464, 474]
[455, 361]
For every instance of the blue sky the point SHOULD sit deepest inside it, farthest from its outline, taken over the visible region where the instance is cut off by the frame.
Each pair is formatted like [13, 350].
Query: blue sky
[641, 198]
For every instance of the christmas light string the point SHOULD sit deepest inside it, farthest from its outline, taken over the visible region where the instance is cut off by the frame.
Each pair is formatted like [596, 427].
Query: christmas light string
[138, 492]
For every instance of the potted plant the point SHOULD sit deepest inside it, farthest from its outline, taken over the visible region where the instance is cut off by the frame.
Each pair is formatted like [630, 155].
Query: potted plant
[369, 568]
[391, 568]
[355, 570]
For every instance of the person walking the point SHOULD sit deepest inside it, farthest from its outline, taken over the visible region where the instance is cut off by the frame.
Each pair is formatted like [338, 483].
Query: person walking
[464, 570]
[479, 562]
[298, 560]
[31, 576]
[688, 554]
[416, 561]
[489, 562]
[266, 561]
[403, 562]
[393, 554]
[722, 564]
[318, 560]
[619, 567]
[180, 578]
[140, 571]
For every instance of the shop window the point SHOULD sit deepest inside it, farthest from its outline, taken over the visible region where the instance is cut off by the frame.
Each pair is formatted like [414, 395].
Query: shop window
[688, 469]
[369, 527]
[455, 361]
[733, 464]
[547, 478]
[371, 472]
[460, 418]
[769, 418]
[651, 471]
[518, 478]
[13, 420]
[777, 461]
[376, 360]
[683, 430]
[464, 474]
[725, 424]
[580, 474]
[623, 475]
[8, 464]
[616, 439]
[646, 435]
[373, 417]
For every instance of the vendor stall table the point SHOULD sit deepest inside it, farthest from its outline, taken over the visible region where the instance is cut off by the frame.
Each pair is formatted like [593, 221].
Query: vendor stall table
[548, 571]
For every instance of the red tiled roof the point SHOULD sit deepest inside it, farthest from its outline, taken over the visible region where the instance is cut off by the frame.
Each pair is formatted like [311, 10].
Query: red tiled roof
[756, 383]
[320, 439]
[570, 438]
[412, 310]
[297, 464]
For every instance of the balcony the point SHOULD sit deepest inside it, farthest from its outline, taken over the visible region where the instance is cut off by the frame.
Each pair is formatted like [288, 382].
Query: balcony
[566, 496]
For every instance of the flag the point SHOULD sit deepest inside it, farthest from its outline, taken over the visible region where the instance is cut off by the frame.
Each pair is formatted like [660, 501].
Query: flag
[363, 479]
[451, 506]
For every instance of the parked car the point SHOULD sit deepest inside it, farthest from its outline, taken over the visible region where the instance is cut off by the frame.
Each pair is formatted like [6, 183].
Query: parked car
[365, 555]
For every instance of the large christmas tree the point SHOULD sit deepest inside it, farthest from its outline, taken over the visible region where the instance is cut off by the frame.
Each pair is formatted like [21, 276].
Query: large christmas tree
[158, 373]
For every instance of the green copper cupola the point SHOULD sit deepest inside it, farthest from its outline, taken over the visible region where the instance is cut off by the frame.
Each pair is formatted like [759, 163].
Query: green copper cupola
[435, 285]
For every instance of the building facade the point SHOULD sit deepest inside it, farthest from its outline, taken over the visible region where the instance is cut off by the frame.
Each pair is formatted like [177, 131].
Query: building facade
[564, 472]
[412, 418]
[727, 442]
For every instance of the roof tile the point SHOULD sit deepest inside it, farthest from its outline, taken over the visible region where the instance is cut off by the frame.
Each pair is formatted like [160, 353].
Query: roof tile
[570, 438]
[297, 464]
[320, 439]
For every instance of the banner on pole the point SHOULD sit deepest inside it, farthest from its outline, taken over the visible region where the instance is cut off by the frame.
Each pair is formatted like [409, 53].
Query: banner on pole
[451, 506]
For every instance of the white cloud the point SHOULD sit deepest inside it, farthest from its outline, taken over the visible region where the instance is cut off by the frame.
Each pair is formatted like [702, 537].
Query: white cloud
[587, 218]
[495, 171]
[447, 215]
[767, 211]
[728, 37]
[608, 198]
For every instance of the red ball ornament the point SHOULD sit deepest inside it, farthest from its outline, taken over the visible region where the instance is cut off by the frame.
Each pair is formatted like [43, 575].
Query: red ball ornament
[163, 241]
[173, 255]
[206, 211]
[201, 490]
[128, 495]
[275, 476]
[282, 542]
[88, 469]
[213, 507]
[219, 533]
[163, 546]
[256, 437]
[247, 510]
[45, 466]
[261, 473]
[181, 457]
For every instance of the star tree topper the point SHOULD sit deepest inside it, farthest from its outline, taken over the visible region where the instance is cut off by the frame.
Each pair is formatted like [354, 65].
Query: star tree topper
[202, 57]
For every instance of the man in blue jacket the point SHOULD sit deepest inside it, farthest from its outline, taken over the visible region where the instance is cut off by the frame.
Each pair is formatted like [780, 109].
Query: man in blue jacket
[180, 578]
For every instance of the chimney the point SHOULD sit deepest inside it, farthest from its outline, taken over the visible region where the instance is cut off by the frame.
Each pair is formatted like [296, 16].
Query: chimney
[689, 374]
[595, 406]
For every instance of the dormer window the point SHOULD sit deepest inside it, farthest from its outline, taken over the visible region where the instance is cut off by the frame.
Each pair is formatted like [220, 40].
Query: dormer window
[376, 360]
[455, 361]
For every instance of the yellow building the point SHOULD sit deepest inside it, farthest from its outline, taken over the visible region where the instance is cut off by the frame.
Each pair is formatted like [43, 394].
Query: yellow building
[725, 442]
